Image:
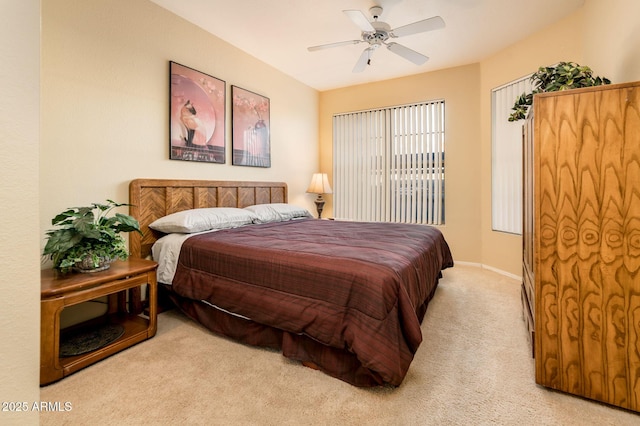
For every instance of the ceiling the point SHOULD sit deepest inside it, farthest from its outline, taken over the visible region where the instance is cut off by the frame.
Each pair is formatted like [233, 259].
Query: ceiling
[278, 32]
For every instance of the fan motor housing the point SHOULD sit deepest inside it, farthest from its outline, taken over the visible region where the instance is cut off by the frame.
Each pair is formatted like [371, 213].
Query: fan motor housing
[379, 36]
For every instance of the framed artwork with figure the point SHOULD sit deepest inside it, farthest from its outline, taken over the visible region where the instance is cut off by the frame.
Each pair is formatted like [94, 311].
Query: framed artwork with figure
[196, 116]
[251, 129]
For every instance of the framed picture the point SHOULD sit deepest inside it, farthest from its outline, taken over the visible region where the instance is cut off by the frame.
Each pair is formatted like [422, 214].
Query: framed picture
[251, 129]
[196, 116]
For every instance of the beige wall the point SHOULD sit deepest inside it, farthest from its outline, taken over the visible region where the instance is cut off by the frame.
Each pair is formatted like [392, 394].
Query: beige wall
[500, 250]
[105, 83]
[19, 237]
[459, 87]
[104, 103]
[612, 38]
[602, 35]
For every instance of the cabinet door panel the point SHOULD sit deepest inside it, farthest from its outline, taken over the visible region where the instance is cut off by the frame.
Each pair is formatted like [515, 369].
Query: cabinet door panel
[586, 236]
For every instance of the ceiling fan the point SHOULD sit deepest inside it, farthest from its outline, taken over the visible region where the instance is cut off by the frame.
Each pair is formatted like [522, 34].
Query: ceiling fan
[377, 33]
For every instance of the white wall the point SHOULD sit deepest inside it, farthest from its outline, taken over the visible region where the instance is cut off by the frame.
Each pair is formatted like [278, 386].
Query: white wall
[19, 238]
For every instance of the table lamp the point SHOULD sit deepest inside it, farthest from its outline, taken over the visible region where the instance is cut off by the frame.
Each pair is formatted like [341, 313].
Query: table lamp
[319, 185]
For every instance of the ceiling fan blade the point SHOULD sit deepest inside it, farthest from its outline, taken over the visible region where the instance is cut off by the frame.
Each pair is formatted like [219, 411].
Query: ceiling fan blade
[360, 19]
[327, 46]
[430, 24]
[405, 52]
[363, 61]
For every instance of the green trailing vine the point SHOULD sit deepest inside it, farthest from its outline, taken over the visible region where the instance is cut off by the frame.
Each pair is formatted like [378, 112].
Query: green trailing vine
[563, 76]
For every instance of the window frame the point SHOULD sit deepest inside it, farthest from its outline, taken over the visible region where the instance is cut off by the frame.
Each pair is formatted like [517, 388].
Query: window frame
[397, 169]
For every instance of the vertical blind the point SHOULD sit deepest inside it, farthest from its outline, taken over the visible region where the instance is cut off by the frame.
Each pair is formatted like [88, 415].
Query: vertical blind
[389, 164]
[506, 159]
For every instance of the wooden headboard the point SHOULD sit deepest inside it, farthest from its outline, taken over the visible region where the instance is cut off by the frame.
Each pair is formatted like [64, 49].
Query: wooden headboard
[151, 199]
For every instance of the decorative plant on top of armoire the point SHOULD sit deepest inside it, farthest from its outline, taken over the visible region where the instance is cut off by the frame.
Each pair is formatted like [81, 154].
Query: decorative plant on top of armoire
[563, 76]
[87, 239]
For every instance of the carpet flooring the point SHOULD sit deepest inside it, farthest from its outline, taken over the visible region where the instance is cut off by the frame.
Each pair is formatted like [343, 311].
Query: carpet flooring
[473, 368]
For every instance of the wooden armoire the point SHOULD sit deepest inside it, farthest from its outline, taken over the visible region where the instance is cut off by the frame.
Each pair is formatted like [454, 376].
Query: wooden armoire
[581, 241]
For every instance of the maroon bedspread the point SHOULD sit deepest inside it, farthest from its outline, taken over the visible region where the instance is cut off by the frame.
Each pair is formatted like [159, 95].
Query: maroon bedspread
[359, 287]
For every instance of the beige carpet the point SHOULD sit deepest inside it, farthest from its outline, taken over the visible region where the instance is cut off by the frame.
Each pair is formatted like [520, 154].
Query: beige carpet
[473, 368]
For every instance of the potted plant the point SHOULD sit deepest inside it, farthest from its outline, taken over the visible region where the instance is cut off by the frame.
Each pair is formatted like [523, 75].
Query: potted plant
[563, 76]
[87, 239]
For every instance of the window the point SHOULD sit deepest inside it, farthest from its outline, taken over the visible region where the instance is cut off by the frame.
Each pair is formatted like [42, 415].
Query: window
[506, 158]
[389, 164]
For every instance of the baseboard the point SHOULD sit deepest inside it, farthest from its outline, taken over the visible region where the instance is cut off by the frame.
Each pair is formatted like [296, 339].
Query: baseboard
[490, 268]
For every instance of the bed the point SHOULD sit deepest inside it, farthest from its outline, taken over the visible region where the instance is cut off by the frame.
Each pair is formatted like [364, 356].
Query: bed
[346, 298]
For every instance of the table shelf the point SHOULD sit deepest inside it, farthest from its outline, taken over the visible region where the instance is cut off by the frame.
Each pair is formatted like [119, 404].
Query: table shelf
[59, 291]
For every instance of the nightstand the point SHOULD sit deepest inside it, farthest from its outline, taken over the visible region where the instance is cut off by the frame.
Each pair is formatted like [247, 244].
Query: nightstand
[59, 291]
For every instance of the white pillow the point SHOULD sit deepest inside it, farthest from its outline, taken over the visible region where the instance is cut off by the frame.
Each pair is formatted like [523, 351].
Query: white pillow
[206, 219]
[277, 212]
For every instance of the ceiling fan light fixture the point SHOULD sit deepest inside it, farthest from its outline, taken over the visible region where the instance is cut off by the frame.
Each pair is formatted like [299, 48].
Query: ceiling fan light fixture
[376, 33]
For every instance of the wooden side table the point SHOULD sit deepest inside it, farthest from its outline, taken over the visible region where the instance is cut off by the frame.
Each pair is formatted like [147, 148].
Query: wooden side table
[59, 291]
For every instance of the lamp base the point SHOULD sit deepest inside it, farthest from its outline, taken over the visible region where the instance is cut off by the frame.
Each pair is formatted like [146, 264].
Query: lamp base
[319, 205]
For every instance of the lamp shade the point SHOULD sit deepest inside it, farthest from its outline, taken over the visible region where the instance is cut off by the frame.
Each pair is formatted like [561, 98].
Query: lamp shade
[319, 184]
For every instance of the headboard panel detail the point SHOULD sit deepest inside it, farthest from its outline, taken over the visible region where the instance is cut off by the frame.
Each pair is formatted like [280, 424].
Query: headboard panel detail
[151, 199]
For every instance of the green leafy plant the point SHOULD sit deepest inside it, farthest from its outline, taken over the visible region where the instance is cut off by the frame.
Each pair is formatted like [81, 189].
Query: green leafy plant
[563, 76]
[88, 232]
